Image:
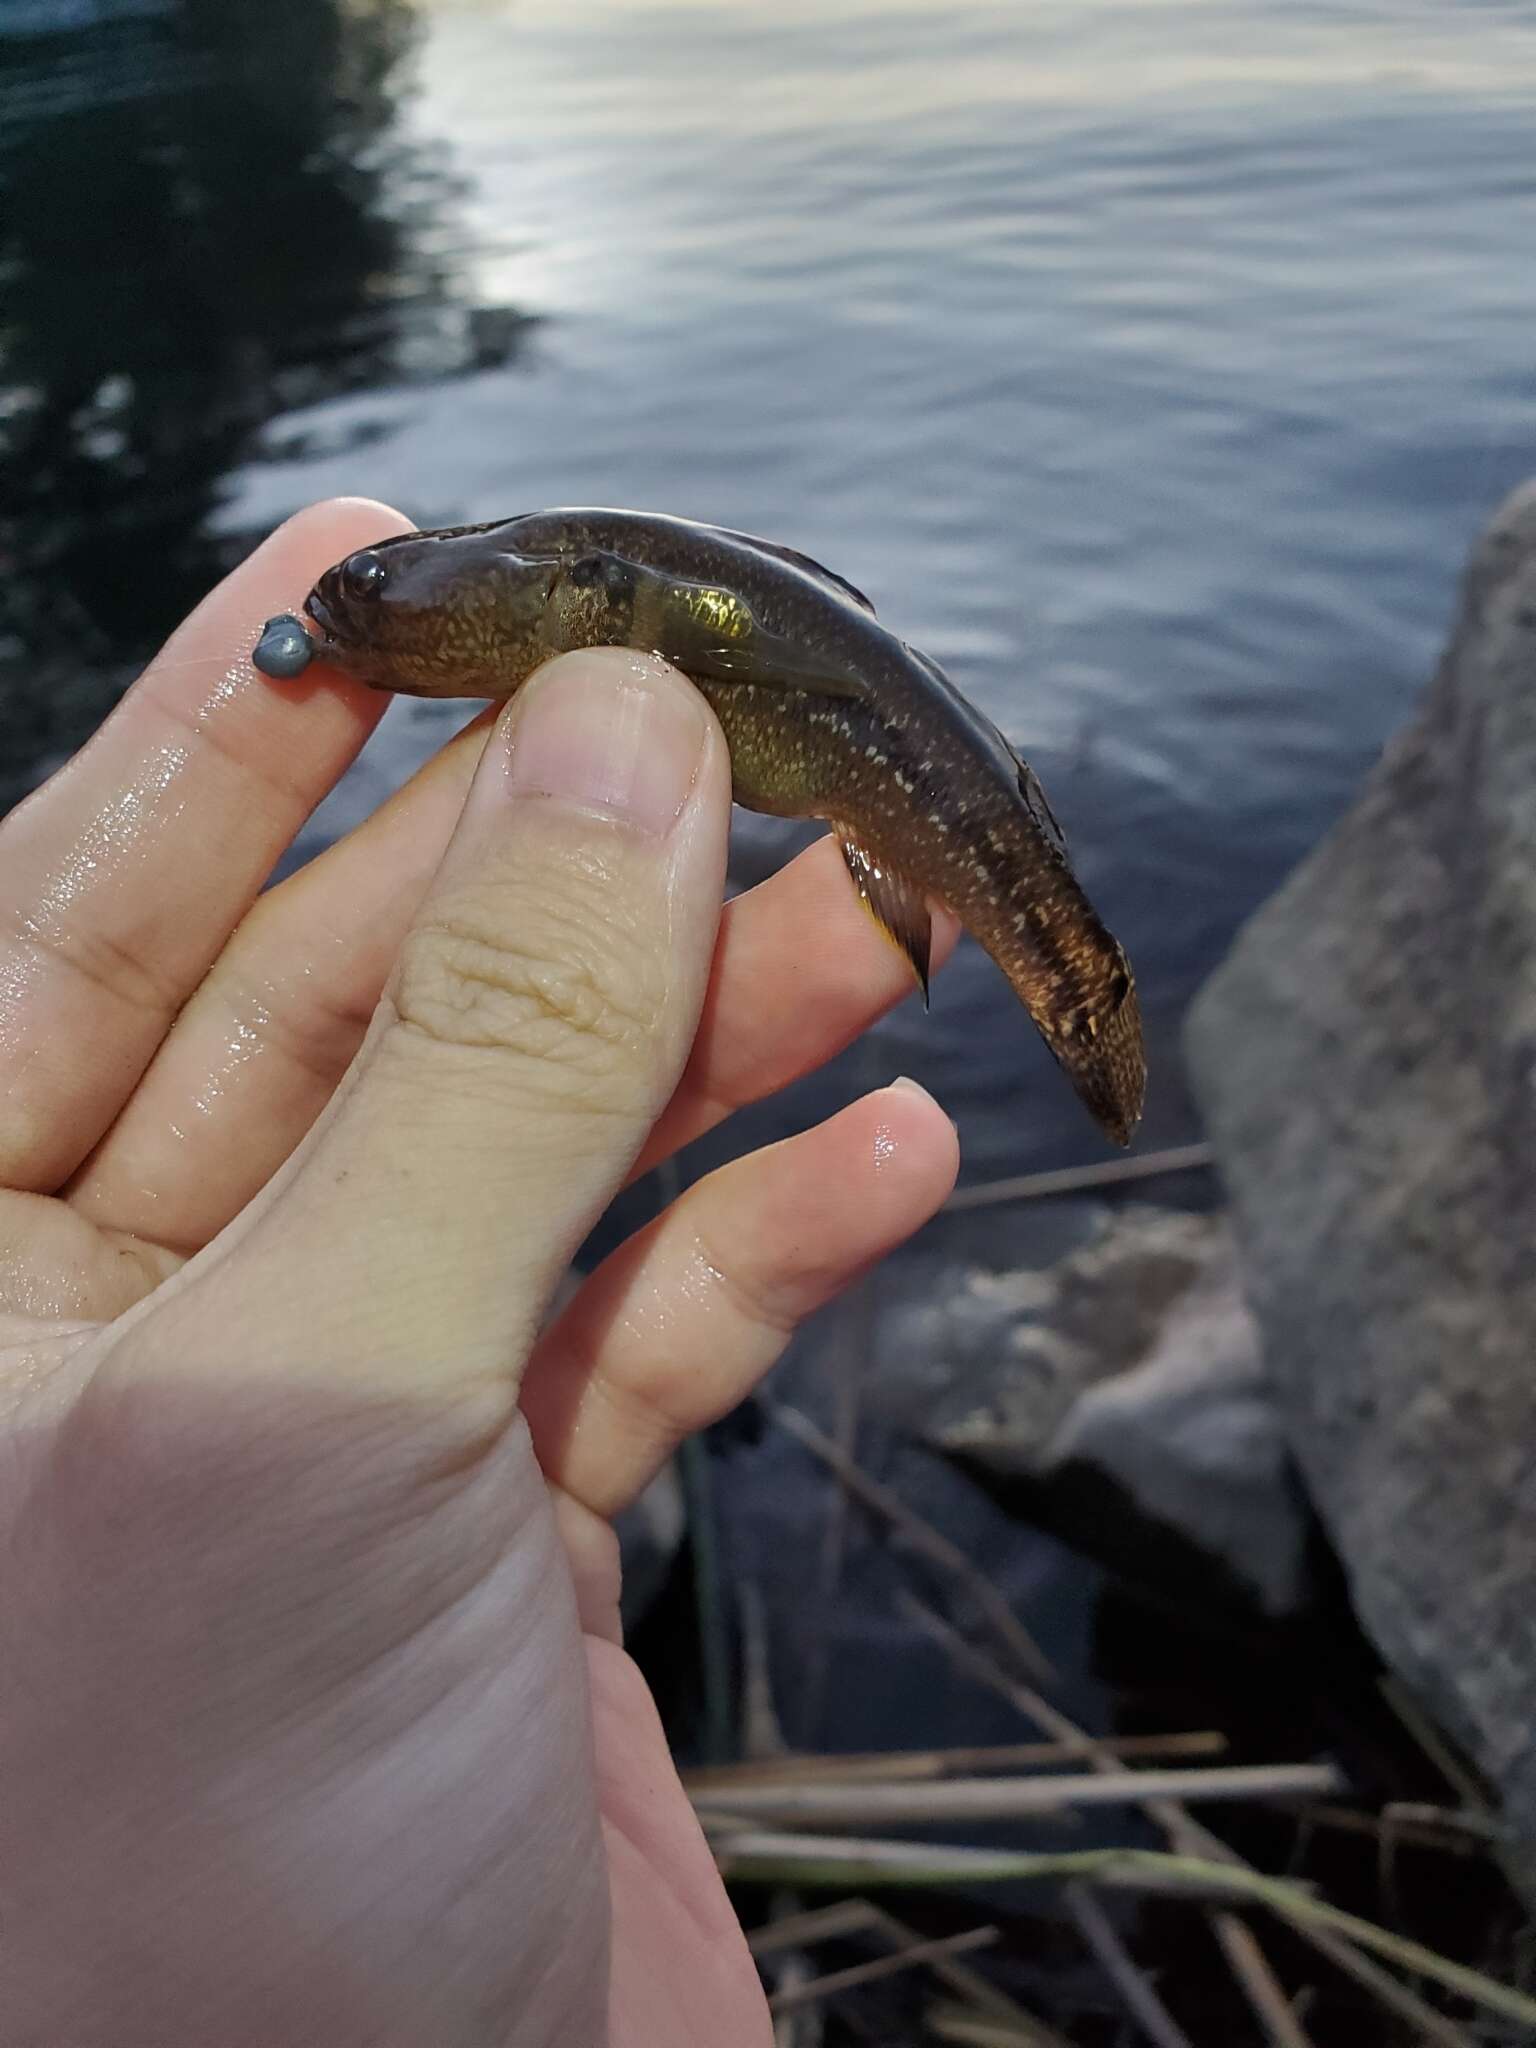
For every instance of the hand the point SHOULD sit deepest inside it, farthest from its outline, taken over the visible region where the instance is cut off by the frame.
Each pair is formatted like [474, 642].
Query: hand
[314, 1723]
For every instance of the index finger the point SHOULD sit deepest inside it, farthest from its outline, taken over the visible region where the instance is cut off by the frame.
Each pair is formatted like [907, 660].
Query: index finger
[123, 876]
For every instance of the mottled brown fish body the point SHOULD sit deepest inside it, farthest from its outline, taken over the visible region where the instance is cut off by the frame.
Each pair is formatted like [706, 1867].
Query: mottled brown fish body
[907, 788]
[826, 713]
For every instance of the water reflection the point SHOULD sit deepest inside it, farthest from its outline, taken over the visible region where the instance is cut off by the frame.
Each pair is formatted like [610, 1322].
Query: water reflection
[211, 216]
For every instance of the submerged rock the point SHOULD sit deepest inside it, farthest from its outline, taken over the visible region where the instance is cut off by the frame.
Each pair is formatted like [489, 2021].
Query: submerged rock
[1124, 1386]
[1366, 1059]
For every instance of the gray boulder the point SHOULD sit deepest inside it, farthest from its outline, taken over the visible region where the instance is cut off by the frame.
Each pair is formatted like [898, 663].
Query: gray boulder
[1123, 1386]
[1366, 1061]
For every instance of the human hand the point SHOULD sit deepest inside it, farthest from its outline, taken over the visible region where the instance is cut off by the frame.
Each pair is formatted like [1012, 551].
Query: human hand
[314, 1723]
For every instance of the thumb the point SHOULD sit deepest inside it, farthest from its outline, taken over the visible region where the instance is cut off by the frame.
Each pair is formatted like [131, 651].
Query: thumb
[536, 1024]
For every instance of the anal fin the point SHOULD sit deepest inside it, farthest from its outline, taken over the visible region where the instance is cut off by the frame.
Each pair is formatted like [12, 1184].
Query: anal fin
[897, 905]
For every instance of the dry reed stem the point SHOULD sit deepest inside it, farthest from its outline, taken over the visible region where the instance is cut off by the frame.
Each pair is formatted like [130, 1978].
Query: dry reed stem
[810, 1859]
[816, 1923]
[850, 1917]
[1186, 1833]
[1259, 1984]
[1073, 1180]
[922, 1766]
[917, 1534]
[984, 2030]
[960, 1799]
[1122, 1970]
[818, 1988]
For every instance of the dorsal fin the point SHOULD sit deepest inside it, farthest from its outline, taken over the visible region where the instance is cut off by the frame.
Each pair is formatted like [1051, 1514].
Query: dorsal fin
[1039, 803]
[808, 563]
[1036, 802]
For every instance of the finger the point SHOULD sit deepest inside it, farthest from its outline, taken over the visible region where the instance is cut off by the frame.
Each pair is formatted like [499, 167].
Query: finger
[258, 1052]
[55, 1267]
[534, 1027]
[591, 1547]
[678, 1325]
[800, 970]
[124, 874]
[679, 1969]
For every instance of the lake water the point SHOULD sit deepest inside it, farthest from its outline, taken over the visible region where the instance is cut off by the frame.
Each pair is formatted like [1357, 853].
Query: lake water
[1152, 365]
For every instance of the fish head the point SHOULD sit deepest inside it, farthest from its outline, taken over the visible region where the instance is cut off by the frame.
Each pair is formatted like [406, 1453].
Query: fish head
[449, 614]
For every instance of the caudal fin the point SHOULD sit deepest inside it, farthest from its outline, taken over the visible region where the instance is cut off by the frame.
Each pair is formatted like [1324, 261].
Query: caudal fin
[1107, 1064]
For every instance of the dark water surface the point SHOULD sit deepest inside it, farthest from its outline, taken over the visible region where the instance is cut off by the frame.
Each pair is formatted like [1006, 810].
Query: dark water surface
[1150, 364]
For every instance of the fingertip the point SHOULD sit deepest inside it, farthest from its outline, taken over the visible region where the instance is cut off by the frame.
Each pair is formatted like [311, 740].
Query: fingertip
[917, 1137]
[616, 662]
[905, 1085]
[615, 735]
[851, 1189]
[617, 669]
[352, 521]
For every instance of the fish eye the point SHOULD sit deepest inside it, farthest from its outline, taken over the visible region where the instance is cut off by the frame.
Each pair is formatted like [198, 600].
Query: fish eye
[363, 575]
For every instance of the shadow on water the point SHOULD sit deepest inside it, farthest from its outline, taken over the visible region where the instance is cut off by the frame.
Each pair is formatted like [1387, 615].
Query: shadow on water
[209, 216]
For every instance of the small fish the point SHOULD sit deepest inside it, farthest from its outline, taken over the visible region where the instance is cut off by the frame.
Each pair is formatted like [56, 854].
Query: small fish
[826, 713]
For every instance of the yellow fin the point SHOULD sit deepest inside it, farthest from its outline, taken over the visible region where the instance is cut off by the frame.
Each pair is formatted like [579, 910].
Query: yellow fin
[896, 904]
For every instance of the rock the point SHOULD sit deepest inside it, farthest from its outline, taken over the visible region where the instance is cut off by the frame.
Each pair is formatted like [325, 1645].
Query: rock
[1366, 1060]
[1124, 1384]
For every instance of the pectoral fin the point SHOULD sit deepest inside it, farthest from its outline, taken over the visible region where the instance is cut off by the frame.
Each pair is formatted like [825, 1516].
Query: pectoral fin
[896, 904]
[770, 665]
[712, 631]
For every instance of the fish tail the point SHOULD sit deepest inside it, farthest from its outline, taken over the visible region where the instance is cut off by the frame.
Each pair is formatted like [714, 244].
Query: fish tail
[1083, 1002]
[1109, 1071]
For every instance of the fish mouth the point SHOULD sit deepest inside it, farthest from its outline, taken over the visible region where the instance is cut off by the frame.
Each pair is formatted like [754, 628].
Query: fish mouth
[328, 637]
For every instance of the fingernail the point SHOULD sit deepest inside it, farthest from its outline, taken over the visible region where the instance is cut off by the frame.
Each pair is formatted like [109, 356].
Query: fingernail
[912, 1087]
[605, 732]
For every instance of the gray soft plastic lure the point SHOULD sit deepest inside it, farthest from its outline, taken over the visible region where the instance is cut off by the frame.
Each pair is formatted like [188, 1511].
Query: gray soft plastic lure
[285, 649]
